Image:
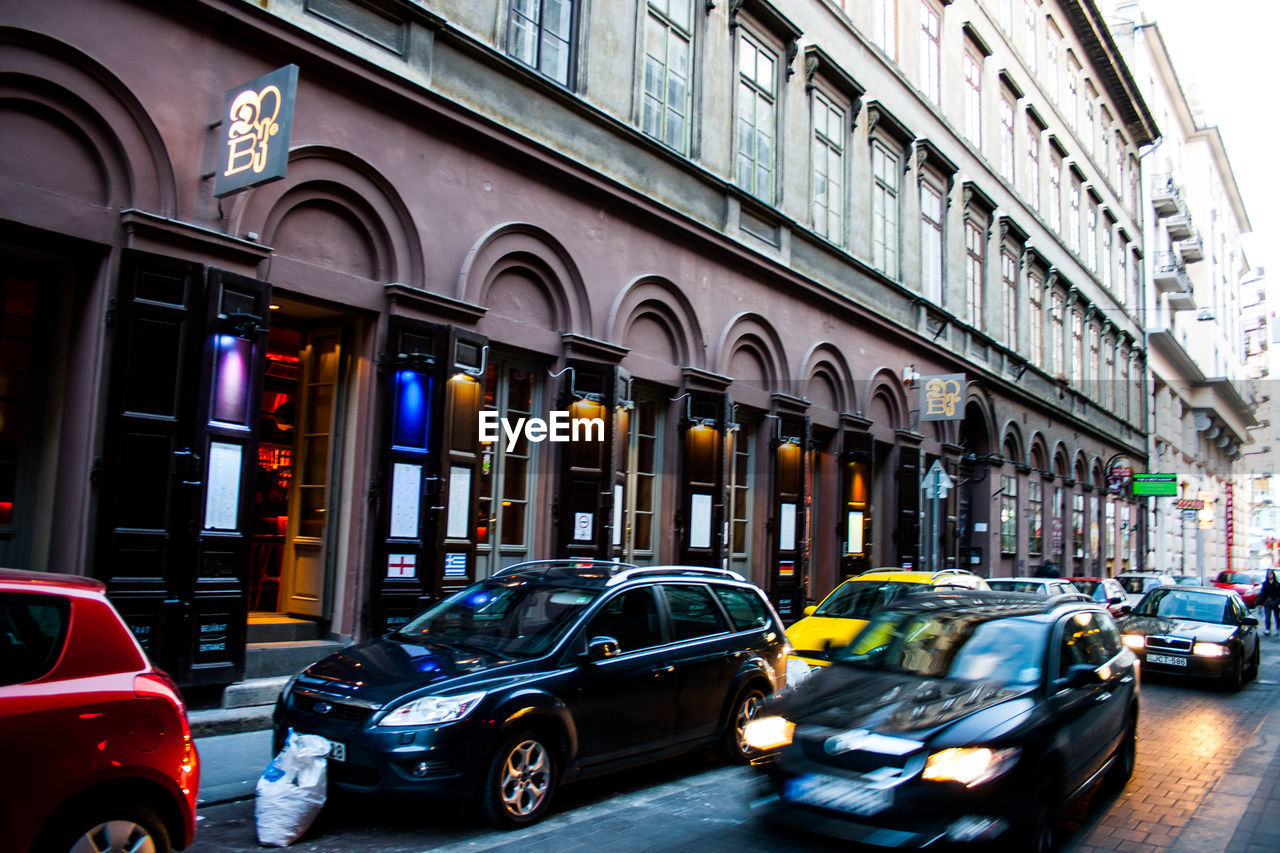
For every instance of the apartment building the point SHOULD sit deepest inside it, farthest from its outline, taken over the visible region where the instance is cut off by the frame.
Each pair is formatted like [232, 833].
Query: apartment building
[1200, 411]
[792, 254]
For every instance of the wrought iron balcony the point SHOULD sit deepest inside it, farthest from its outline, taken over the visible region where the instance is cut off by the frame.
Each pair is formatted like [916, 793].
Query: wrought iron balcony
[1166, 197]
[1191, 249]
[1179, 226]
[1169, 274]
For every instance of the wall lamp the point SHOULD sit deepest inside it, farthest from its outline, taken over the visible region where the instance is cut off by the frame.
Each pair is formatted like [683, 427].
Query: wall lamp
[573, 390]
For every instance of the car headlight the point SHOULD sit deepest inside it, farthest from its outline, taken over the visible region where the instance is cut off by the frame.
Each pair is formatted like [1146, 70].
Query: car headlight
[1209, 650]
[432, 709]
[766, 733]
[970, 765]
[1137, 642]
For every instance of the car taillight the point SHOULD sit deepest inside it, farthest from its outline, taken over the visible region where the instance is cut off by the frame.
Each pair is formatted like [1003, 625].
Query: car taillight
[159, 685]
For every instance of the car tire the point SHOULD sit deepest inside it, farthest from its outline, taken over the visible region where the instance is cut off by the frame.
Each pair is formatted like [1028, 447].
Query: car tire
[1252, 674]
[520, 782]
[110, 828]
[1037, 831]
[733, 747]
[1126, 756]
[1233, 678]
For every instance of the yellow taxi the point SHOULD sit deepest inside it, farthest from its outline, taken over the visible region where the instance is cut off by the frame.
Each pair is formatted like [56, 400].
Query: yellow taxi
[833, 623]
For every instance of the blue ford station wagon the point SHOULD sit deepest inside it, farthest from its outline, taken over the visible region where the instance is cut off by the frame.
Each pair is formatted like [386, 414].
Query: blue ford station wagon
[545, 672]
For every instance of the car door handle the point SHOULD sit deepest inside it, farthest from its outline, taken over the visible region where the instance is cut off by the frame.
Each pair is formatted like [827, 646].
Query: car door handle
[1102, 697]
[662, 671]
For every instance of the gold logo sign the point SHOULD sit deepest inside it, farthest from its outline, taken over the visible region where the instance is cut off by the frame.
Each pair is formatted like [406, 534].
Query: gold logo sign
[256, 124]
[253, 123]
[942, 397]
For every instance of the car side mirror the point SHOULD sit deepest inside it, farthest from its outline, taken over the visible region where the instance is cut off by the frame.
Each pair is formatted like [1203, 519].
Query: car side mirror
[1080, 675]
[600, 648]
[1128, 608]
[810, 610]
[1114, 600]
[1251, 621]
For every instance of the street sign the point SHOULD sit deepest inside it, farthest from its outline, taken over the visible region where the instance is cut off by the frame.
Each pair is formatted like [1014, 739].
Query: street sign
[1155, 485]
[1190, 514]
[937, 482]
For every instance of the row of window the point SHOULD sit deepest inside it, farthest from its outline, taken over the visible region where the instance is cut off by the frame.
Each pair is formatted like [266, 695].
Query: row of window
[1122, 547]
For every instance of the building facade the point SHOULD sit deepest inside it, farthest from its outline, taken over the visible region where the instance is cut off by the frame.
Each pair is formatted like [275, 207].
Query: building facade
[1258, 466]
[791, 255]
[1200, 415]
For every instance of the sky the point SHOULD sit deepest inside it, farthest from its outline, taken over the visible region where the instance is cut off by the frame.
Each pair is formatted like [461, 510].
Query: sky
[1225, 55]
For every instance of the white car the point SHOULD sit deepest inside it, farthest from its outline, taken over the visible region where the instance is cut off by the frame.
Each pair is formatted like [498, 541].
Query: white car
[1038, 586]
[1136, 584]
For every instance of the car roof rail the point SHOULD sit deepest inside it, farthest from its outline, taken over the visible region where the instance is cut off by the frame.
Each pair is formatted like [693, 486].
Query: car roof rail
[682, 571]
[610, 567]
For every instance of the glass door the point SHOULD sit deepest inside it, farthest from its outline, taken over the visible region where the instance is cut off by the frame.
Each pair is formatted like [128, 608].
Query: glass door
[741, 482]
[641, 489]
[305, 548]
[506, 473]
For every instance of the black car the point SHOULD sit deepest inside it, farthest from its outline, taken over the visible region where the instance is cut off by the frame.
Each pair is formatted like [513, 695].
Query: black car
[545, 672]
[1198, 632]
[953, 717]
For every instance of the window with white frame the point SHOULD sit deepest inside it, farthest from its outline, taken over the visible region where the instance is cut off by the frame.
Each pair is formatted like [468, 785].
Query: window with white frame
[1077, 348]
[1122, 268]
[828, 168]
[884, 26]
[1033, 164]
[1009, 284]
[757, 117]
[1073, 218]
[1006, 17]
[1052, 61]
[1057, 319]
[540, 34]
[1090, 129]
[1008, 514]
[1055, 192]
[1091, 237]
[931, 50]
[1035, 520]
[668, 60]
[1117, 168]
[1006, 135]
[1107, 261]
[1035, 320]
[931, 211]
[1123, 391]
[884, 208]
[975, 269]
[973, 97]
[1109, 376]
[1072, 97]
[1095, 361]
[1029, 34]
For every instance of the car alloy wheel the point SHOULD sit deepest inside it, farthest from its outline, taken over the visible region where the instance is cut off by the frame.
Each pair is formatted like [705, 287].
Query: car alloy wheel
[520, 781]
[1125, 758]
[1233, 680]
[733, 746]
[122, 829]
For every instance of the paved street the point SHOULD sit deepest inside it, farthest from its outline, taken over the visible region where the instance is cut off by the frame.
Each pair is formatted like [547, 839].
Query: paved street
[1207, 779]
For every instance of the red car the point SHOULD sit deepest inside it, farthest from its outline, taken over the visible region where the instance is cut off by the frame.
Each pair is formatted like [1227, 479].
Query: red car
[95, 748]
[1240, 582]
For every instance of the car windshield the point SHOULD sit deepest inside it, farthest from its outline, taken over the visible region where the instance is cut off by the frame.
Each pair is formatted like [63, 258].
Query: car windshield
[1087, 587]
[1173, 603]
[507, 617]
[974, 647]
[864, 599]
[1011, 585]
[1135, 584]
[1234, 577]
[1187, 580]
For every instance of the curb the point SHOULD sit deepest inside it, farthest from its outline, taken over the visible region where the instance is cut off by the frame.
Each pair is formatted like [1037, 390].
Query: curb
[226, 721]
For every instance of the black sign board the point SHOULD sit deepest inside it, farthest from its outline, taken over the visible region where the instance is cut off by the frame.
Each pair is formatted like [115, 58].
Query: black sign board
[256, 123]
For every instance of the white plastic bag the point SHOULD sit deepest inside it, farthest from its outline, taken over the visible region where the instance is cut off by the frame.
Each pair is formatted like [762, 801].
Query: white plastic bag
[291, 791]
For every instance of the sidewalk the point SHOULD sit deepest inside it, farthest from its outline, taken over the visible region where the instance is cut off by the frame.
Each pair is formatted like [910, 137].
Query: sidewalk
[230, 765]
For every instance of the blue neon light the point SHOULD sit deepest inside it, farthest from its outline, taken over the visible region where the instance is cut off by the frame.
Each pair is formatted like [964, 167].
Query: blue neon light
[413, 410]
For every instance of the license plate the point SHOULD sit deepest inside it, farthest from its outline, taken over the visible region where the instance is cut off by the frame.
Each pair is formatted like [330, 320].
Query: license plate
[1168, 660]
[844, 795]
[337, 751]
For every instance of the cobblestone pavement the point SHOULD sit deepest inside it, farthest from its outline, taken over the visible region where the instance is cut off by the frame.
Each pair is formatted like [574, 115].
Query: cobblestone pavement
[1207, 780]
